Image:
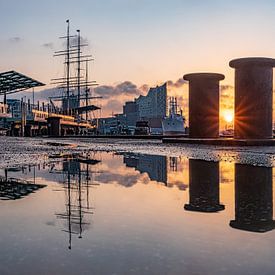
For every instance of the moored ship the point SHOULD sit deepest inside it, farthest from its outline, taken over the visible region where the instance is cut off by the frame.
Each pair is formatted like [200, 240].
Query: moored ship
[173, 124]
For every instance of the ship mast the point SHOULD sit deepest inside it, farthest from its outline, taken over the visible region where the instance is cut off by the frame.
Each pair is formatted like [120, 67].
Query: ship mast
[73, 54]
[78, 67]
[86, 88]
[68, 62]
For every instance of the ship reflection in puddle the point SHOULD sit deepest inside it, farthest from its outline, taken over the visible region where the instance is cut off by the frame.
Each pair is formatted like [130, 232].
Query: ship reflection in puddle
[77, 181]
[76, 178]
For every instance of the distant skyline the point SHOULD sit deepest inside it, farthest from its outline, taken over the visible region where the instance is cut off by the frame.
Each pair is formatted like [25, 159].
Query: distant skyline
[141, 41]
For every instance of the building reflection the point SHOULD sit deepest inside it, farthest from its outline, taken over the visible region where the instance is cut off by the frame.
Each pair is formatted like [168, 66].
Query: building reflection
[167, 170]
[154, 166]
[253, 198]
[204, 191]
[77, 181]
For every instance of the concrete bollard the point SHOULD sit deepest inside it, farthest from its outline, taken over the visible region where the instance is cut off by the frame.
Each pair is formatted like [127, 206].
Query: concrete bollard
[204, 104]
[253, 97]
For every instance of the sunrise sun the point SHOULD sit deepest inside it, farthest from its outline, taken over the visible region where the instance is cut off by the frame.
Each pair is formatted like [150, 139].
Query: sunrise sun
[228, 116]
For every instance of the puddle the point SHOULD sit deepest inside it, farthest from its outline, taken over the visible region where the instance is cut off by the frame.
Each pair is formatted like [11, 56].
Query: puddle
[140, 214]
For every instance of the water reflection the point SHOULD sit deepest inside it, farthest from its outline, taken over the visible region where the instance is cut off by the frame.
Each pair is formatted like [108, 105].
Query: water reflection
[253, 186]
[204, 191]
[139, 223]
[12, 188]
[167, 170]
[77, 180]
[253, 198]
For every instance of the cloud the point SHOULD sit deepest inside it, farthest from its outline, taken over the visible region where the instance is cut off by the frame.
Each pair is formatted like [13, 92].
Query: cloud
[15, 39]
[114, 106]
[125, 88]
[178, 84]
[48, 45]
[123, 180]
[115, 96]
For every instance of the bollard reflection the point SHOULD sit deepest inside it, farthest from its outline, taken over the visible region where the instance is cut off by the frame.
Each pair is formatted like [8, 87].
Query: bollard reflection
[204, 186]
[253, 198]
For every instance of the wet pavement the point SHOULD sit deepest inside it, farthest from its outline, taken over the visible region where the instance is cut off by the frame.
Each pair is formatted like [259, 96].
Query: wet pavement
[94, 207]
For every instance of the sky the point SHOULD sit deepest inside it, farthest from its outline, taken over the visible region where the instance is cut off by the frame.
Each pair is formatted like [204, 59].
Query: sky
[145, 42]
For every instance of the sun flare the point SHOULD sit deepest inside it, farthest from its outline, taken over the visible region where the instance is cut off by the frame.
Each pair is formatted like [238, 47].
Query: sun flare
[228, 116]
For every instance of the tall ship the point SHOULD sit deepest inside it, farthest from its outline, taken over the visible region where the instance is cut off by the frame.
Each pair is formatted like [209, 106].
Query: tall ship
[174, 123]
[75, 84]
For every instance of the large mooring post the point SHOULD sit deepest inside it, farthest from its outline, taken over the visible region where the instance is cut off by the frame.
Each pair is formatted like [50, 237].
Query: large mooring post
[204, 191]
[204, 104]
[253, 97]
[253, 198]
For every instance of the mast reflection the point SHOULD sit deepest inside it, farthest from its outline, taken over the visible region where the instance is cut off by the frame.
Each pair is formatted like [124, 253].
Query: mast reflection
[253, 198]
[77, 180]
[204, 186]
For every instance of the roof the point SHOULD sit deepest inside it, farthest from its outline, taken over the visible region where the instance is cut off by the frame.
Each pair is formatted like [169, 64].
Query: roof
[14, 82]
[83, 109]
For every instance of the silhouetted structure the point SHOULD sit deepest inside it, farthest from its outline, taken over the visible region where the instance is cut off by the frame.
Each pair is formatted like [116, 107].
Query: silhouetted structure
[14, 188]
[204, 186]
[253, 198]
[204, 104]
[253, 97]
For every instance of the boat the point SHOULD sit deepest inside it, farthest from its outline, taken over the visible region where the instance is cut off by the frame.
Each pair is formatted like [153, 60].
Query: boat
[173, 124]
[74, 102]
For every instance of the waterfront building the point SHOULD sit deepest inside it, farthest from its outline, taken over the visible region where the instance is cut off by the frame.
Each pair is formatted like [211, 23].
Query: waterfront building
[130, 110]
[111, 125]
[153, 107]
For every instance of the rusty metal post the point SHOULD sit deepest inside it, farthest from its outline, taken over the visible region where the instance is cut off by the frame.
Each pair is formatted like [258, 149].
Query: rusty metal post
[204, 104]
[253, 97]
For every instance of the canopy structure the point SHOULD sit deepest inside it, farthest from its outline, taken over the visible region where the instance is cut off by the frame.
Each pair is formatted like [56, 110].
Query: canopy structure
[88, 108]
[14, 82]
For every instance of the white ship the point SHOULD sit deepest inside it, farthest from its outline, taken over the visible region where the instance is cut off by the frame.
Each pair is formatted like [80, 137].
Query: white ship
[173, 124]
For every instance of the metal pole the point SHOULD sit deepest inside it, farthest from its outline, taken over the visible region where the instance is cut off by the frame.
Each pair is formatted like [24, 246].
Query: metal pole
[68, 64]
[78, 68]
[86, 92]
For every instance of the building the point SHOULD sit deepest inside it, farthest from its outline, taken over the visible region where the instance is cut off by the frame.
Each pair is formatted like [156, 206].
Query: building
[114, 125]
[130, 110]
[154, 104]
[151, 108]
